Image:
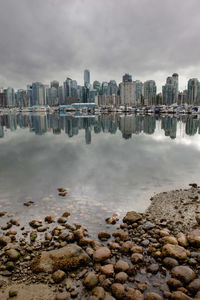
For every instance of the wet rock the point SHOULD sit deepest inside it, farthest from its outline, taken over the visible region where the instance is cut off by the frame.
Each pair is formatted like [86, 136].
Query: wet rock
[153, 268]
[170, 262]
[194, 185]
[66, 258]
[35, 223]
[29, 203]
[13, 254]
[145, 243]
[182, 239]
[33, 236]
[136, 249]
[13, 292]
[114, 246]
[101, 254]
[3, 213]
[121, 277]
[121, 265]
[136, 258]
[12, 231]
[49, 219]
[184, 273]
[90, 280]
[109, 297]
[118, 290]
[66, 214]
[61, 220]
[178, 295]
[4, 240]
[104, 236]
[111, 220]
[174, 251]
[194, 238]
[42, 228]
[62, 296]
[133, 294]
[132, 217]
[107, 270]
[61, 189]
[169, 240]
[126, 246]
[174, 284]
[148, 225]
[99, 292]
[58, 276]
[164, 233]
[153, 296]
[122, 235]
[194, 286]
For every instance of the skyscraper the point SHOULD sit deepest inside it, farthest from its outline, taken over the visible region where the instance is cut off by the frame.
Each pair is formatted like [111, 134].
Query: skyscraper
[127, 78]
[86, 77]
[170, 90]
[194, 91]
[149, 92]
[38, 93]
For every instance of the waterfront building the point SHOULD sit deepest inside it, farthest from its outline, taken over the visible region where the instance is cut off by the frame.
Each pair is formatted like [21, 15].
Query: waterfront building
[149, 92]
[104, 88]
[92, 95]
[170, 90]
[52, 96]
[86, 77]
[3, 99]
[10, 97]
[128, 93]
[194, 91]
[112, 88]
[21, 98]
[70, 91]
[60, 95]
[38, 94]
[182, 97]
[127, 78]
[97, 86]
[102, 100]
[139, 91]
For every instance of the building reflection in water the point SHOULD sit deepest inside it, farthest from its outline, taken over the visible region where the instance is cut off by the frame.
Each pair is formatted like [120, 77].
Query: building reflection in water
[128, 124]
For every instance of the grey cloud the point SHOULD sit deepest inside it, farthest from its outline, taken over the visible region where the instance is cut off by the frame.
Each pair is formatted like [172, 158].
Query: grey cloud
[52, 39]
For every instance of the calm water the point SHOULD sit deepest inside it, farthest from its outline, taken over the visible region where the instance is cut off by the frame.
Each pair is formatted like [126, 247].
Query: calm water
[110, 163]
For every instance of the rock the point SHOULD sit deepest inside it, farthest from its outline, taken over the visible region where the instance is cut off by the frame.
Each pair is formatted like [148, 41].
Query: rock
[126, 246]
[182, 239]
[62, 296]
[170, 262]
[101, 254]
[194, 238]
[148, 225]
[3, 213]
[121, 265]
[164, 233]
[104, 236]
[29, 203]
[108, 297]
[13, 292]
[153, 268]
[133, 294]
[33, 235]
[179, 296]
[49, 219]
[132, 217]
[111, 220]
[118, 290]
[194, 286]
[99, 292]
[121, 277]
[66, 214]
[197, 217]
[174, 251]
[13, 254]
[136, 258]
[184, 273]
[58, 276]
[197, 296]
[169, 240]
[194, 185]
[107, 270]
[61, 189]
[136, 249]
[61, 220]
[4, 240]
[174, 284]
[35, 223]
[66, 258]
[153, 296]
[90, 280]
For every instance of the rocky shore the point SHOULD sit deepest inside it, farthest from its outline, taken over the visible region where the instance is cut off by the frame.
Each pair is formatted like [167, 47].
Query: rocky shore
[149, 256]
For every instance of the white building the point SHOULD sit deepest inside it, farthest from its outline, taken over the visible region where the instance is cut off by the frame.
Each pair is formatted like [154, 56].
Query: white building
[128, 93]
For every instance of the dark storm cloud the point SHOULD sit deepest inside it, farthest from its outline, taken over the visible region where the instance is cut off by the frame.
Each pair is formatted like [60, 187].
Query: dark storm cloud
[52, 39]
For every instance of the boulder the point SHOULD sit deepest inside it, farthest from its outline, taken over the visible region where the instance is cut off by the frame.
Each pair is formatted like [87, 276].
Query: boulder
[178, 295]
[184, 273]
[101, 254]
[132, 217]
[66, 258]
[194, 238]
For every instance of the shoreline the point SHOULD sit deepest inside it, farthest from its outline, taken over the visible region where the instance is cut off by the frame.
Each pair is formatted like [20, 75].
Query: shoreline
[152, 255]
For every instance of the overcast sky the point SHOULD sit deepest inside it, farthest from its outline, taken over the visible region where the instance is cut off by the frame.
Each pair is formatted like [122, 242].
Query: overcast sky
[42, 40]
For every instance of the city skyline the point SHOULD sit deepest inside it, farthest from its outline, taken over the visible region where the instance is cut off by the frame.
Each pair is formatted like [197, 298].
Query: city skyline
[44, 40]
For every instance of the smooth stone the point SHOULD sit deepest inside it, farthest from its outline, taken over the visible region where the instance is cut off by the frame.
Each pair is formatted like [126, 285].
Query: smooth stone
[136, 249]
[99, 292]
[194, 238]
[104, 236]
[153, 268]
[121, 277]
[174, 251]
[133, 294]
[136, 258]
[58, 276]
[169, 240]
[182, 239]
[121, 265]
[101, 254]
[178, 295]
[153, 296]
[90, 280]
[170, 262]
[118, 290]
[174, 284]
[194, 286]
[13, 254]
[184, 273]
[107, 270]
[62, 296]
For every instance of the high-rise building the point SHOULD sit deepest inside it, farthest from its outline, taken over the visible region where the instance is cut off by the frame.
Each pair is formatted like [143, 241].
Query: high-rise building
[38, 94]
[127, 78]
[170, 90]
[194, 91]
[104, 88]
[10, 96]
[97, 86]
[54, 84]
[149, 92]
[112, 88]
[128, 93]
[86, 77]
